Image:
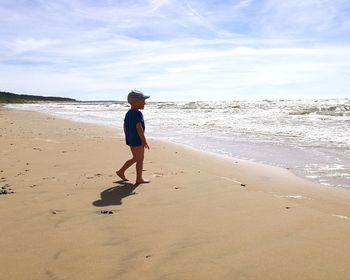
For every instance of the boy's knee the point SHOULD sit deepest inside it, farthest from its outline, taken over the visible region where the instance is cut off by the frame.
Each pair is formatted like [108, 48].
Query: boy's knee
[139, 160]
[133, 160]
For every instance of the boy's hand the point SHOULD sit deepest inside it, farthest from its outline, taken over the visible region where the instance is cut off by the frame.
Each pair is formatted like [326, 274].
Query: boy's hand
[145, 145]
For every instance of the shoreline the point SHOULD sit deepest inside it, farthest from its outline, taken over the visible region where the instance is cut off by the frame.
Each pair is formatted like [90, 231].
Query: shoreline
[203, 216]
[192, 148]
[327, 167]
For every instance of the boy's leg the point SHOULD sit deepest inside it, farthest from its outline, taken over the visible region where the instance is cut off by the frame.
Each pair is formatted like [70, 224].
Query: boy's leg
[138, 153]
[127, 164]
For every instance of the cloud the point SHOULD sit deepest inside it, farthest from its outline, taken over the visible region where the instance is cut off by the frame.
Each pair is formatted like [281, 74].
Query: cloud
[176, 49]
[27, 45]
[318, 20]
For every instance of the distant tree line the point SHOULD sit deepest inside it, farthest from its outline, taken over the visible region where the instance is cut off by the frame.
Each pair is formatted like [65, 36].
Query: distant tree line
[8, 97]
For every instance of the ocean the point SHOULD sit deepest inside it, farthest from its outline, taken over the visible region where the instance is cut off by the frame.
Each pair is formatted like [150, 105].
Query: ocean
[311, 138]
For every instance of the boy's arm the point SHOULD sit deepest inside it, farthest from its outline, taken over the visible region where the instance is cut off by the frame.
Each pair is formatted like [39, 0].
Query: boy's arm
[139, 130]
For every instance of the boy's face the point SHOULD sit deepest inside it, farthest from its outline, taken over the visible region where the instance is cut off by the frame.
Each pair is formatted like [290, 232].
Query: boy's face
[138, 104]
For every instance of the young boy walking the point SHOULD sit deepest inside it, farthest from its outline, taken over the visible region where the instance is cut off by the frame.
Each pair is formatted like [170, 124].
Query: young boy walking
[134, 127]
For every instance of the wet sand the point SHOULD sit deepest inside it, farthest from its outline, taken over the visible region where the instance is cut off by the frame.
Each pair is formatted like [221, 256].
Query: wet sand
[65, 214]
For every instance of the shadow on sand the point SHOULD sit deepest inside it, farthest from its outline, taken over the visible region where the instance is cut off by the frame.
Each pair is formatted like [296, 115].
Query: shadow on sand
[114, 195]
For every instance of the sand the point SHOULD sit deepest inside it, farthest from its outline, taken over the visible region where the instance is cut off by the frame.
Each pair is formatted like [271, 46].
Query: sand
[203, 216]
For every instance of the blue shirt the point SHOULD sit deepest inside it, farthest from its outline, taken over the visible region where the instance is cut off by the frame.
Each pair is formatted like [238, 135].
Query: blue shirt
[133, 117]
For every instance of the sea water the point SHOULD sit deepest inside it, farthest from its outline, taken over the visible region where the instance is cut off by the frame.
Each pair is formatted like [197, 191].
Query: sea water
[311, 138]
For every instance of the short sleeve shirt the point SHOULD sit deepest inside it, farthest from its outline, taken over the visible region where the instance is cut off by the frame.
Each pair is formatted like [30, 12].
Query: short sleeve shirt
[132, 117]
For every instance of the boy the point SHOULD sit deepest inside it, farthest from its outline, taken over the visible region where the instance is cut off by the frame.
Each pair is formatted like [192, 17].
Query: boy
[134, 127]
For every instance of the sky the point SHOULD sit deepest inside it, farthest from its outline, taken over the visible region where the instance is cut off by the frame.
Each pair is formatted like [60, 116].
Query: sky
[176, 49]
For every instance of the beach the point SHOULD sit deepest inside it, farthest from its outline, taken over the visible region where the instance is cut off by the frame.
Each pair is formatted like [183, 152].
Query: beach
[65, 214]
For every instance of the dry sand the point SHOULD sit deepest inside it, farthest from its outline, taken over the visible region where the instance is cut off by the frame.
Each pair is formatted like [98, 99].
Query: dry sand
[203, 216]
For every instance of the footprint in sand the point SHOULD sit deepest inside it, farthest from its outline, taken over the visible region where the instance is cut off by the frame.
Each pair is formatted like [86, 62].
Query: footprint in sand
[54, 212]
[157, 175]
[95, 175]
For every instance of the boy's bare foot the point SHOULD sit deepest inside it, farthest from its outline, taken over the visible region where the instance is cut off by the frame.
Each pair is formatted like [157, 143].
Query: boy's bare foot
[121, 175]
[143, 181]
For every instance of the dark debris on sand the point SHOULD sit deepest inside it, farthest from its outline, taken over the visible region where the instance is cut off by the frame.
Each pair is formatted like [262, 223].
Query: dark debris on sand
[107, 212]
[6, 190]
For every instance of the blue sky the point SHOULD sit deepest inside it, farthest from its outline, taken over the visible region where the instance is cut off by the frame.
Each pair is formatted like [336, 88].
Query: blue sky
[176, 49]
